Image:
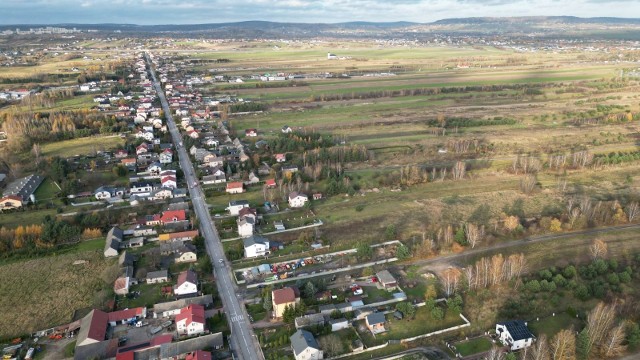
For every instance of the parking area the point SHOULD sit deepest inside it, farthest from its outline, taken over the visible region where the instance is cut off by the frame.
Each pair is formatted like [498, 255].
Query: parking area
[130, 334]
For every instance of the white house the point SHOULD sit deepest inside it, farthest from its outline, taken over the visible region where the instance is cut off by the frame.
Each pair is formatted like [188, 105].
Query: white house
[235, 187]
[305, 346]
[236, 205]
[514, 334]
[107, 192]
[255, 246]
[191, 320]
[169, 182]
[246, 226]
[213, 160]
[217, 177]
[297, 200]
[141, 188]
[166, 157]
[187, 284]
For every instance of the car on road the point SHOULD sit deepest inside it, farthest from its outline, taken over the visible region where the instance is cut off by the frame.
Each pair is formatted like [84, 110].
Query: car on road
[221, 261]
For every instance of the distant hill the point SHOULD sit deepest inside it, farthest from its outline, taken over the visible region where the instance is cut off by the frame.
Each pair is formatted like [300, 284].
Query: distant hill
[537, 19]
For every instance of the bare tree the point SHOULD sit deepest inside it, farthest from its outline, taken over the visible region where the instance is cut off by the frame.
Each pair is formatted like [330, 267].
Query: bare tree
[450, 280]
[458, 171]
[331, 344]
[632, 211]
[563, 346]
[539, 350]
[474, 233]
[470, 277]
[494, 354]
[497, 269]
[598, 249]
[613, 345]
[528, 183]
[600, 321]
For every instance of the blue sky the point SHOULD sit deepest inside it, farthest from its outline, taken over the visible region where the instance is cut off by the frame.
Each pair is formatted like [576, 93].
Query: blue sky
[329, 11]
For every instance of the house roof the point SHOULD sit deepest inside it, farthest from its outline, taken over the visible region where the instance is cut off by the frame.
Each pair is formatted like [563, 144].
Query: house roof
[24, 187]
[11, 197]
[517, 329]
[283, 296]
[169, 215]
[239, 202]
[121, 283]
[127, 314]
[255, 240]
[235, 185]
[157, 274]
[192, 313]
[375, 318]
[199, 355]
[385, 277]
[179, 304]
[301, 340]
[270, 182]
[246, 211]
[187, 276]
[93, 326]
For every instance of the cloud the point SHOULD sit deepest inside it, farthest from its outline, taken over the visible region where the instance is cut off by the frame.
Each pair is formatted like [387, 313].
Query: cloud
[310, 11]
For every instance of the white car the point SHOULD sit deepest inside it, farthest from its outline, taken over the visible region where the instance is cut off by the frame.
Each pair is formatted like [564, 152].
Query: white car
[221, 261]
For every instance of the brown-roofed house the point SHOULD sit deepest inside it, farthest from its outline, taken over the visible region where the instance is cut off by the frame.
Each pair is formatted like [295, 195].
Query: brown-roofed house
[283, 297]
[93, 328]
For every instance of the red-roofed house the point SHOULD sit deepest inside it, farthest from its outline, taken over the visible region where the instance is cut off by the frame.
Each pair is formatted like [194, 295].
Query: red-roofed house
[199, 355]
[93, 328]
[187, 284]
[121, 154]
[173, 216]
[191, 320]
[281, 298]
[128, 351]
[124, 316]
[281, 158]
[251, 132]
[270, 183]
[235, 187]
[169, 182]
[142, 149]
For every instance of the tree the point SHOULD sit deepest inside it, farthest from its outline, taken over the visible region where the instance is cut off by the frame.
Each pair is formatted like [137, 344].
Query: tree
[390, 232]
[456, 303]
[583, 345]
[364, 251]
[555, 225]
[430, 293]
[406, 309]
[332, 345]
[613, 345]
[437, 313]
[600, 322]
[632, 211]
[288, 314]
[450, 280]
[403, 252]
[563, 346]
[267, 303]
[598, 249]
[473, 233]
[528, 183]
[511, 223]
[310, 289]
[539, 350]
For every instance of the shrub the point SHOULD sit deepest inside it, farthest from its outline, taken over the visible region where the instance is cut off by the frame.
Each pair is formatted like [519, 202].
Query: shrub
[533, 286]
[545, 274]
[559, 280]
[582, 293]
[569, 272]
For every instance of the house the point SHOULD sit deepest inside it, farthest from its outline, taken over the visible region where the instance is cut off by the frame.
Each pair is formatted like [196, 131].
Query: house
[236, 205]
[142, 149]
[10, 202]
[297, 200]
[172, 308]
[199, 355]
[246, 226]
[375, 322]
[166, 157]
[169, 182]
[173, 216]
[191, 320]
[108, 192]
[115, 236]
[251, 132]
[121, 154]
[270, 183]
[187, 284]
[212, 160]
[317, 196]
[279, 225]
[386, 280]
[141, 188]
[282, 298]
[182, 252]
[127, 315]
[216, 176]
[161, 194]
[93, 328]
[287, 129]
[154, 169]
[514, 334]
[179, 236]
[155, 277]
[247, 212]
[281, 158]
[289, 169]
[24, 187]
[129, 163]
[255, 246]
[305, 346]
[338, 324]
[152, 220]
[253, 179]
[235, 187]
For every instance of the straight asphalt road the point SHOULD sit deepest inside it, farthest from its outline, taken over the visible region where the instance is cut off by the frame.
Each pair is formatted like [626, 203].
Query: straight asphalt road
[243, 341]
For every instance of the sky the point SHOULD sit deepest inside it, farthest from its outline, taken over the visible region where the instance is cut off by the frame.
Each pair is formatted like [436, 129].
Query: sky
[145, 12]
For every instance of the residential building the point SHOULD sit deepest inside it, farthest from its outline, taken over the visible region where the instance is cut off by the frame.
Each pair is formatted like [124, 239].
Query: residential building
[282, 298]
[187, 284]
[281, 158]
[297, 200]
[173, 216]
[251, 132]
[155, 277]
[255, 246]
[172, 308]
[246, 226]
[199, 355]
[375, 322]
[24, 188]
[10, 202]
[515, 334]
[386, 280]
[338, 324]
[115, 236]
[125, 316]
[191, 320]
[236, 205]
[235, 187]
[305, 346]
[286, 129]
[93, 328]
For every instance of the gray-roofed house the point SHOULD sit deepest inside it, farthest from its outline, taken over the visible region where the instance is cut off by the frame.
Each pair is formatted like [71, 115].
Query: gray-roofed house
[171, 308]
[113, 241]
[159, 276]
[338, 324]
[375, 322]
[309, 320]
[255, 246]
[24, 187]
[305, 346]
[514, 334]
[386, 280]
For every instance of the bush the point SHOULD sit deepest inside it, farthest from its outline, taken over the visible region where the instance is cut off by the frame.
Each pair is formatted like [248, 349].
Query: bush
[582, 293]
[625, 277]
[559, 280]
[359, 207]
[545, 274]
[569, 272]
[533, 286]
[613, 279]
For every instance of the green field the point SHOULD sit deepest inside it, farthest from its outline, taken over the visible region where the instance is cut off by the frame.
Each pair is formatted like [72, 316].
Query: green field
[474, 346]
[81, 146]
[552, 325]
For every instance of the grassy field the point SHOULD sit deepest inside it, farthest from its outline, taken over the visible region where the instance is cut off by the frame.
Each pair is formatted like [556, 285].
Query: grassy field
[474, 346]
[81, 146]
[552, 325]
[48, 290]
[27, 217]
